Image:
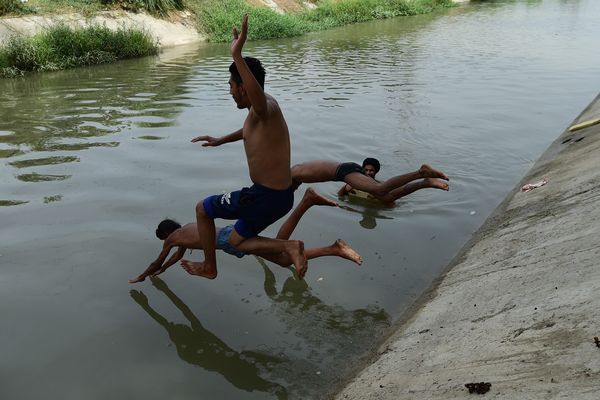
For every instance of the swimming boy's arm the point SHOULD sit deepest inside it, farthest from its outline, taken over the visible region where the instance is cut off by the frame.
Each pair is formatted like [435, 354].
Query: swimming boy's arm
[255, 92]
[178, 255]
[213, 141]
[156, 264]
[344, 190]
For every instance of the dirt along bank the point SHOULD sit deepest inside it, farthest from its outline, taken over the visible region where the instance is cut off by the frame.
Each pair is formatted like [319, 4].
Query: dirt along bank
[180, 29]
[518, 307]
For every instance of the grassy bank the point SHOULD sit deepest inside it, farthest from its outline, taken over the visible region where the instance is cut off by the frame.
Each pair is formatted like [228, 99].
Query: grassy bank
[61, 47]
[215, 17]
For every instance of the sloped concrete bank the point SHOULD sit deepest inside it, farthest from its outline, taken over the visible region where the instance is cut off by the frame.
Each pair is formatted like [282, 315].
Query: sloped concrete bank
[519, 307]
[180, 30]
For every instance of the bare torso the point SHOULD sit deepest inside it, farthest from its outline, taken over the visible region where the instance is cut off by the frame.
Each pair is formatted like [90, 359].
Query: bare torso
[267, 145]
[187, 236]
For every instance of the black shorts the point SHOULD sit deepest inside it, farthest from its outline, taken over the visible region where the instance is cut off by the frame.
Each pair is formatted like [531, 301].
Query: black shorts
[346, 168]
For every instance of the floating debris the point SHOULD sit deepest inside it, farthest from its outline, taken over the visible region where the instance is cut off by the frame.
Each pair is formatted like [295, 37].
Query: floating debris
[531, 186]
[596, 341]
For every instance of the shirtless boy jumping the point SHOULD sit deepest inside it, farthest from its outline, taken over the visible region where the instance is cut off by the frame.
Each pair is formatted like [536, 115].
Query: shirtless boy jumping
[267, 147]
[186, 237]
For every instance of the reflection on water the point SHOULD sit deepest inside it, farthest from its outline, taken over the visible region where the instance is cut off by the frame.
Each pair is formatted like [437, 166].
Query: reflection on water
[369, 210]
[197, 345]
[325, 327]
[82, 109]
[331, 332]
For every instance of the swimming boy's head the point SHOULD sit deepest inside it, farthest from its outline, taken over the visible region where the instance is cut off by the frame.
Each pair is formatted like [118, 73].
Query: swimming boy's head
[371, 167]
[165, 228]
[236, 85]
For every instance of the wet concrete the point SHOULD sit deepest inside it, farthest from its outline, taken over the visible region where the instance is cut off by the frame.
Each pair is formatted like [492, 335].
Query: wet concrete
[518, 307]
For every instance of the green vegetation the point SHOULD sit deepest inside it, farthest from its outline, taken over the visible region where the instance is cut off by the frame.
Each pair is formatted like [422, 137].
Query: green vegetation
[160, 7]
[216, 17]
[13, 7]
[61, 47]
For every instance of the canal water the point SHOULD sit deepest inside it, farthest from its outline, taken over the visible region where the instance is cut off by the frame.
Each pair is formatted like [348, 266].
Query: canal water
[92, 159]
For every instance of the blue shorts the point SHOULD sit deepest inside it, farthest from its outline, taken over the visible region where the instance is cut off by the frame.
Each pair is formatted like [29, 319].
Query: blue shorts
[255, 208]
[223, 242]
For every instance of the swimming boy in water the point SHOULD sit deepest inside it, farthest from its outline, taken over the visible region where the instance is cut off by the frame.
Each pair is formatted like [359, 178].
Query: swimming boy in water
[267, 146]
[352, 173]
[186, 237]
[370, 168]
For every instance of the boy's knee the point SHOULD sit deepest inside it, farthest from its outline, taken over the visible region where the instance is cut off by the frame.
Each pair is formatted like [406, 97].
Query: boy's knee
[200, 209]
[235, 239]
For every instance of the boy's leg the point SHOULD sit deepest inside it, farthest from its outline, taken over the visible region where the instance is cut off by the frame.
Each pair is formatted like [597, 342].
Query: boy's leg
[310, 198]
[207, 233]
[380, 190]
[338, 249]
[262, 245]
[427, 183]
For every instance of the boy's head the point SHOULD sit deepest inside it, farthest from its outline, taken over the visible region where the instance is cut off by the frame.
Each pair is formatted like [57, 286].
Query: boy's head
[236, 85]
[371, 167]
[165, 228]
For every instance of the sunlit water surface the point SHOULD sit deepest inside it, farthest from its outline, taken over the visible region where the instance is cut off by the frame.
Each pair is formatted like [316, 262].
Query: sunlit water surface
[92, 159]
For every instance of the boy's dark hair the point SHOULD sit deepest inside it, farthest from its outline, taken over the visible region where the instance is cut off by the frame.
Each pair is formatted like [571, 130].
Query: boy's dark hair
[165, 228]
[255, 67]
[372, 161]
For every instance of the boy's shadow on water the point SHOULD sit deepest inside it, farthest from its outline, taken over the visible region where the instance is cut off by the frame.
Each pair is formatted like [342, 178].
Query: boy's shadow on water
[370, 212]
[325, 328]
[198, 346]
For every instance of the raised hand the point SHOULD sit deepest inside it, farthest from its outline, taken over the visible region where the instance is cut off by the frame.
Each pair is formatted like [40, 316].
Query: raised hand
[239, 39]
[209, 141]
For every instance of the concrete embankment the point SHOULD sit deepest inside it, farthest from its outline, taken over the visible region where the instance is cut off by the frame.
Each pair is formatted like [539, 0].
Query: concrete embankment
[519, 307]
[179, 30]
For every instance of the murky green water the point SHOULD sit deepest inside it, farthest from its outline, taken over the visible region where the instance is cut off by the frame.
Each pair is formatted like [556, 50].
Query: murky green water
[92, 159]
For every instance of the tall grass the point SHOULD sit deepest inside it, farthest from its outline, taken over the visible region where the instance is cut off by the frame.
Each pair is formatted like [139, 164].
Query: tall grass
[216, 17]
[160, 7]
[61, 47]
[12, 7]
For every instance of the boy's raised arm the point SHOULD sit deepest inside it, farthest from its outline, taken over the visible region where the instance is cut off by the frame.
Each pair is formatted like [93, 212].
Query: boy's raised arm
[255, 92]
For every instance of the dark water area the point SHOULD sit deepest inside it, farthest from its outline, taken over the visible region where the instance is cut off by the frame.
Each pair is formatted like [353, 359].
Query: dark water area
[92, 159]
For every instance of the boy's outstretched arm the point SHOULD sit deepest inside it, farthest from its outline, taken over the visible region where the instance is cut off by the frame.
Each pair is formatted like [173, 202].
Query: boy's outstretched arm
[210, 141]
[255, 92]
[156, 264]
[178, 255]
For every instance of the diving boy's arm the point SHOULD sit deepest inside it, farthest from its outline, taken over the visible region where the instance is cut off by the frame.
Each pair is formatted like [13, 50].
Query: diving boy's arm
[178, 255]
[213, 141]
[255, 92]
[156, 264]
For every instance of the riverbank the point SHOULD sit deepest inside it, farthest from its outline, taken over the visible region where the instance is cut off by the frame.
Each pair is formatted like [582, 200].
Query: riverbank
[517, 308]
[179, 30]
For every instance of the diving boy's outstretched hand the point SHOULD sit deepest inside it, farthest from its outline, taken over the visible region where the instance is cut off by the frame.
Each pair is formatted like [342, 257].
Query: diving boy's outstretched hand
[239, 39]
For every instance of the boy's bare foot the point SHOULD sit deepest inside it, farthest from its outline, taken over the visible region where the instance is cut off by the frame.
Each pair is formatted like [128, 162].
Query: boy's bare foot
[140, 278]
[435, 184]
[315, 198]
[426, 171]
[199, 269]
[295, 249]
[347, 252]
